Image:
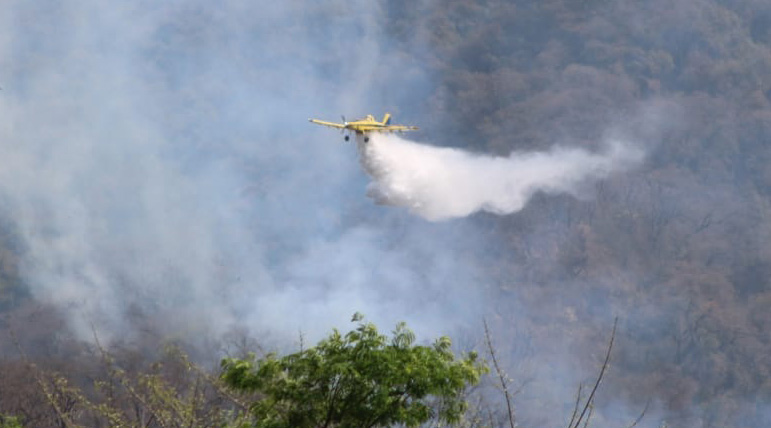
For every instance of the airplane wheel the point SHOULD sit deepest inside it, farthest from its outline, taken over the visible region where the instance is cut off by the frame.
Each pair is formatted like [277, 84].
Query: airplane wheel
[347, 138]
[366, 139]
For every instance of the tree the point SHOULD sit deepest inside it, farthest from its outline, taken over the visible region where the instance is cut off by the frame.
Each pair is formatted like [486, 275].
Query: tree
[359, 380]
[9, 422]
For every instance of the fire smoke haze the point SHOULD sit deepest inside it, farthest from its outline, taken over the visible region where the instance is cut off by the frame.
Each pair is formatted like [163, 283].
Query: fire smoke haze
[158, 174]
[156, 169]
[441, 183]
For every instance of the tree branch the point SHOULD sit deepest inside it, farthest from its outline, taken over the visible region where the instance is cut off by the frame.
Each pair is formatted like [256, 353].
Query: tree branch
[498, 371]
[577, 405]
[599, 378]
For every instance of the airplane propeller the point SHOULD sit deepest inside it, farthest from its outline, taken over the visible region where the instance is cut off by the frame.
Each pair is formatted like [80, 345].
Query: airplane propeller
[342, 131]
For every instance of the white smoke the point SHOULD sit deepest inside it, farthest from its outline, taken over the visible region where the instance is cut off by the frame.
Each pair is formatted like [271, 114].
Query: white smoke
[158, 174]
[440, 183]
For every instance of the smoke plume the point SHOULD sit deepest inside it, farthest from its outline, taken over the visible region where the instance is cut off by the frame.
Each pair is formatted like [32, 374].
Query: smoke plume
[441, 183]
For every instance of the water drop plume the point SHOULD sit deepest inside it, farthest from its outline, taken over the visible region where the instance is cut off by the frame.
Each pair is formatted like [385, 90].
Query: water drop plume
[439, 183]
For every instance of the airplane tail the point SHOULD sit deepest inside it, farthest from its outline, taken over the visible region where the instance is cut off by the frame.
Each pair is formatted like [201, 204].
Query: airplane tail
[387, 119]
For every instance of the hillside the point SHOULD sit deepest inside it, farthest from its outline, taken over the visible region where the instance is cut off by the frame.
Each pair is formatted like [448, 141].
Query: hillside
[177, 190]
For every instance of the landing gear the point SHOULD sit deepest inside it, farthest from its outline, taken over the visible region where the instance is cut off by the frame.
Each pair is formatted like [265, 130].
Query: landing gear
[366, 139]
[347, 138]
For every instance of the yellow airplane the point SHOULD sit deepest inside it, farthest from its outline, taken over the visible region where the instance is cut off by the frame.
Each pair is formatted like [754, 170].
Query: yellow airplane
[364, 126]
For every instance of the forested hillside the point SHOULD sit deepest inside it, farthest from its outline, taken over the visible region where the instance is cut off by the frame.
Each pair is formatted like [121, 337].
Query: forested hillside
[679, 249]
[262, 228]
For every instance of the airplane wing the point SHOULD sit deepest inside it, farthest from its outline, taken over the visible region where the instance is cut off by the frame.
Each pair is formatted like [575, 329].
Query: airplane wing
[399, 128]
[330, 124]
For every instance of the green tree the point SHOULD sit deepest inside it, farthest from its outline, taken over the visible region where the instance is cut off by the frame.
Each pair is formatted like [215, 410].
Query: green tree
[9, 422]
[359, 380]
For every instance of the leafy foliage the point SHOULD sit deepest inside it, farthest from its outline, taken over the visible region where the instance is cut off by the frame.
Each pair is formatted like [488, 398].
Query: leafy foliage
[9, 422]
[361, 380]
